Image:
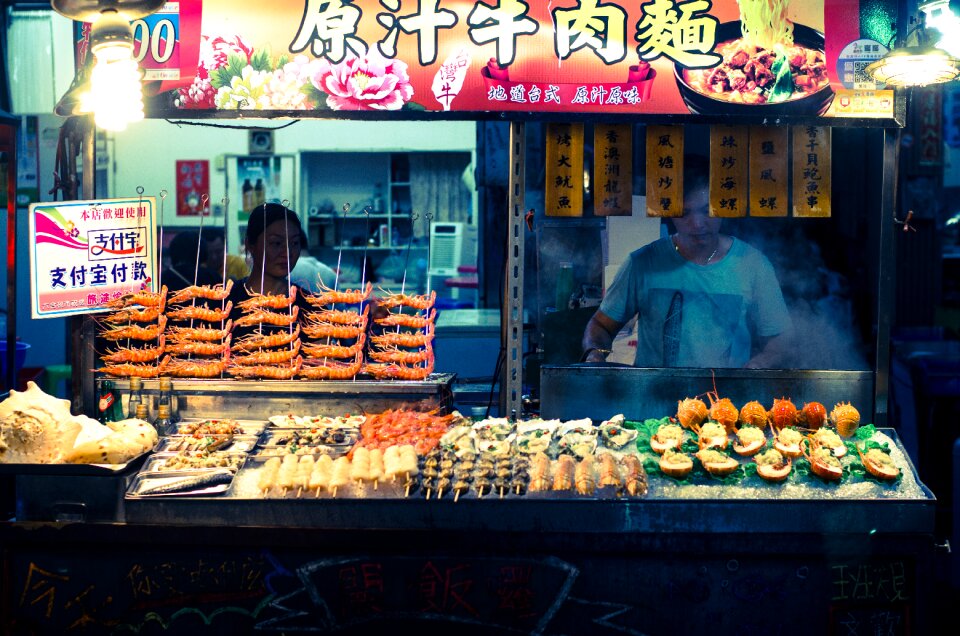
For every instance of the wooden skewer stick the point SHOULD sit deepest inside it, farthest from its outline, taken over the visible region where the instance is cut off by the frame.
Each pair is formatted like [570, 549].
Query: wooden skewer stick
[501, 492]
[283, 493]
[428, 494]
[318, 491]
[440, 494]
[456, 496]
[299, 491]
[406, 493]
[376, 482]
[335, 491]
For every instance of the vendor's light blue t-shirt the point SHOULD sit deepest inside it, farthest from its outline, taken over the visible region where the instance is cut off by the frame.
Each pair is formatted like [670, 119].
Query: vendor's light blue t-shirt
[716, 307]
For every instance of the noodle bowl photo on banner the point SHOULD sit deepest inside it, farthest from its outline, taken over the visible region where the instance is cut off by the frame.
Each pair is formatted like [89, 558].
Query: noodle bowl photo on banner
[770, 65]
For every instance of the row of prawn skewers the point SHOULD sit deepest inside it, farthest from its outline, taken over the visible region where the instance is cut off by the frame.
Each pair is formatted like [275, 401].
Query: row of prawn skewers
[196, 346]
[199, 339]
[404, 351]
[337, 337]
[819, 441]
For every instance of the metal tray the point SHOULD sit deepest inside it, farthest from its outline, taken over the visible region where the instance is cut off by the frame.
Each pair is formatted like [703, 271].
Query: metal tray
[245, 427]
[288, 436]
[155, 464]
[239, 443]
[263, 453]
[313, 421]
[71, 469]
[147, 480]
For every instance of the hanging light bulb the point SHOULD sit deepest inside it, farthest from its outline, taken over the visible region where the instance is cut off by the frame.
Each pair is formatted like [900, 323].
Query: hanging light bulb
[116, 93]
[112, 90]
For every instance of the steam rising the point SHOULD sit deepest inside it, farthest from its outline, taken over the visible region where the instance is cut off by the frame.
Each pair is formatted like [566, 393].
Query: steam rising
[818, 299]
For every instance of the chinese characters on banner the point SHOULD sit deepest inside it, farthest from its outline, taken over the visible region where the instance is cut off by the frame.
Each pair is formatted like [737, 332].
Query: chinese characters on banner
[613, 169]
[327, 57]
[563, 192]
[768, 170]
[193, 186]
[664, 171]
[811, 171]
[86, 253]
[729, 147]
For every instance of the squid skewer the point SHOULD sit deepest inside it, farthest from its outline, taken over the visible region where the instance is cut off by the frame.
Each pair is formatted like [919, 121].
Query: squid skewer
[304, 470]
[287, 475]
[340, 474]
[268, 474]
[320, 476]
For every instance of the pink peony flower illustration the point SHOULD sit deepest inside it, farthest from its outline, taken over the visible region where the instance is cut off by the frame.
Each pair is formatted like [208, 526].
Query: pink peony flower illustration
[371, 83]
[214, 54]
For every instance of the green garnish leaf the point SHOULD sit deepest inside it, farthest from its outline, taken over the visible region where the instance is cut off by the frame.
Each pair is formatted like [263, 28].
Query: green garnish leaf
[866, 432]
[782, 87]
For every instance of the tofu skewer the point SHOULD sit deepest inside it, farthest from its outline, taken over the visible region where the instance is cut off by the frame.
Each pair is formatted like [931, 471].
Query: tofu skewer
[376, 466]
[340, 475]
[287, 475]
[360, 466]
[268, 474]
[320, 475]
[304, 469]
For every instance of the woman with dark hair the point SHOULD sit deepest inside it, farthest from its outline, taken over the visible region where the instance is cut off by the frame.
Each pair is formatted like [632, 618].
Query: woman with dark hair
[702, 298]
[274, 240]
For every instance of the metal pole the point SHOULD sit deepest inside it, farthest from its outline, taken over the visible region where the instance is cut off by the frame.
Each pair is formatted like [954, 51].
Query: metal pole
[8, 144]
[511, 313]
[886, 272]
[83, 331]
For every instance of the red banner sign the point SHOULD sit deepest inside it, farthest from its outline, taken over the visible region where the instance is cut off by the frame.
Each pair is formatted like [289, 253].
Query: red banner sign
[590, 56]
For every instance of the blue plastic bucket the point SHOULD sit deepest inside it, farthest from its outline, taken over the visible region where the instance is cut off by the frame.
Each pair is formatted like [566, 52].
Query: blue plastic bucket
[19, 357]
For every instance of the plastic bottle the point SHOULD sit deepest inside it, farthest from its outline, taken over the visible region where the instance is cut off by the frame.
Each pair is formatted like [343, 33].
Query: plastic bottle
[136, 397]
[564, 286]
[259, 194]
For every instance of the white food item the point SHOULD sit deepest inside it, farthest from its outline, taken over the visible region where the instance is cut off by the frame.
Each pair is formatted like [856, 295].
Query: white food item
[376, 464]
[35, 427]
[320, 476]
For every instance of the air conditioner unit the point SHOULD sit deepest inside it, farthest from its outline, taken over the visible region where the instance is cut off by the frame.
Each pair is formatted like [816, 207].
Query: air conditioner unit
[446, 248]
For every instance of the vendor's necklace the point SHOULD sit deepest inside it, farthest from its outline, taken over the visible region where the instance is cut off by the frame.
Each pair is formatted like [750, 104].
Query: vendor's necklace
[676, 246]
